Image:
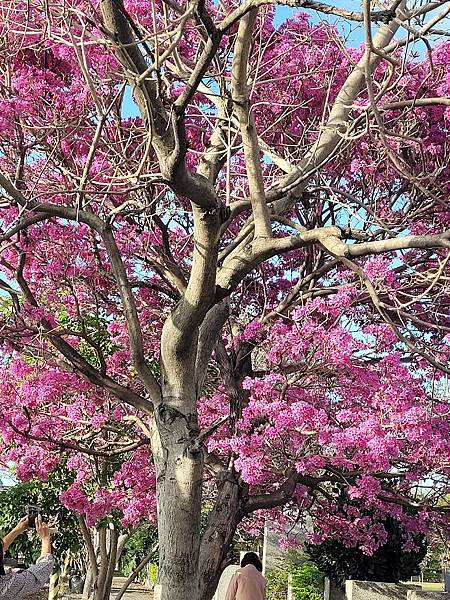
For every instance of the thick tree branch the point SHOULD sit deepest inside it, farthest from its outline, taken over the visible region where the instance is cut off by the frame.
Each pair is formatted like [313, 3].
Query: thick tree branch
[21, 225]
[217, 153]
[180, 332]
[168, 133]
[333, 133]
[241, 102]
[89, 545]
[207, 339]
[119, 28]
[208, 54]
[283, 494]
[438, 240]
[240, 263]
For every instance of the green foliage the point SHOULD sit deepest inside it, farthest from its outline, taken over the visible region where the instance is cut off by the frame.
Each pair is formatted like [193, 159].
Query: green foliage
[6, 306]
[152, 573]
[390, 563]
[307, 583]
[95, 340]
[137, 547]
[432, 570]
[306, 580]
[13, 505]
[277, 583]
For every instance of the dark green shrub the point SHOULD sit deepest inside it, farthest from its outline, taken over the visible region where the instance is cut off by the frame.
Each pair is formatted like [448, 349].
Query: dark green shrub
[389, 563]
[137, 547]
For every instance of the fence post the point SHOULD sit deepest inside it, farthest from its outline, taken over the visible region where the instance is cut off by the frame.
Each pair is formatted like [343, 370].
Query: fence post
[290, 595]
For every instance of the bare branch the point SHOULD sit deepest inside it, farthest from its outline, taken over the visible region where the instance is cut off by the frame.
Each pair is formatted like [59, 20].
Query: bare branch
[240, 263]
[249, 135]
[332, 134]
[439, 240]
[350, 15]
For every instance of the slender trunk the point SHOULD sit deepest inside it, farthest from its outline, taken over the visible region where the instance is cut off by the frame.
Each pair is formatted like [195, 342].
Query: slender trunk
[103, 566]
[88, 584]
[92, 572]
[112, 561]
[123, 538]
[144, 562]
[218, 535]
[107, 542]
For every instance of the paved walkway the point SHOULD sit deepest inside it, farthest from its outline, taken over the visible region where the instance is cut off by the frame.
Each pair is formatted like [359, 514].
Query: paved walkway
[135, 591]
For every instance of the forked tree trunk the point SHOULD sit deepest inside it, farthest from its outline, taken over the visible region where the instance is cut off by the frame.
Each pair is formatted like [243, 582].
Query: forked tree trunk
[108, 542]
[104, 550]
[189, 564]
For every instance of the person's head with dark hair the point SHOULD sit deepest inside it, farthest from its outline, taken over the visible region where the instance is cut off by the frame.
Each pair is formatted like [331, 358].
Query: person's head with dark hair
[251, 558]
[2, 568]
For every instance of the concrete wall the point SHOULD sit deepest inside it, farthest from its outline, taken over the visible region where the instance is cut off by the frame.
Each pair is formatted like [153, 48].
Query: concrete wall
[420, 595]
[374, 590]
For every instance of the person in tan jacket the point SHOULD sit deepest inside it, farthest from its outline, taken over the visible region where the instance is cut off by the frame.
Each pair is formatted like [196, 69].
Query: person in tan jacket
[248, 583]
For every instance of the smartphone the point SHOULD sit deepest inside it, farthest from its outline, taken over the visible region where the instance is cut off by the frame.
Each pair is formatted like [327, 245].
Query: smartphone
[32, 513]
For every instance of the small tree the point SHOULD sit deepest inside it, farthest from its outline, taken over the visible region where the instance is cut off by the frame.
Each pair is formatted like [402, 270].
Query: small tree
[305, 578]
[307, 583]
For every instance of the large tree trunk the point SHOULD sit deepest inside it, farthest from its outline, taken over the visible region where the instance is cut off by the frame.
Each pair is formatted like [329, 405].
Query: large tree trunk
[179, 497]
[190, 566]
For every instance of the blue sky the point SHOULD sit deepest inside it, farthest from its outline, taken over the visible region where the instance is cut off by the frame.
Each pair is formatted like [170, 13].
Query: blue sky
[355, 35]
[355, 30]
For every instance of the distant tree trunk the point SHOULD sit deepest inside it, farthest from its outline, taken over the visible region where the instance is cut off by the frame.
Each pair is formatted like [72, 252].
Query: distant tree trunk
[104, 547]
[332, 590]
[140, 567]
[88, 584]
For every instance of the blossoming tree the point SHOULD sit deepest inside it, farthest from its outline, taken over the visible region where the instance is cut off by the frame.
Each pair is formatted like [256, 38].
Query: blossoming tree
[239, 297]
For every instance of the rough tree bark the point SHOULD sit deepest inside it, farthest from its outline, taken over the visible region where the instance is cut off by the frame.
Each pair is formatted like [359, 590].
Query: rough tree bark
[191, 562]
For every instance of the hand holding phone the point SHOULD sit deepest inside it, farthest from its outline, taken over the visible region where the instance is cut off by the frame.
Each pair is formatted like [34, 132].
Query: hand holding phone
[32, 514]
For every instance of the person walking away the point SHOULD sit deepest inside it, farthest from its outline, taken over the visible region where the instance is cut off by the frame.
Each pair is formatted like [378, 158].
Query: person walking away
[248, 582]
[16, 586]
